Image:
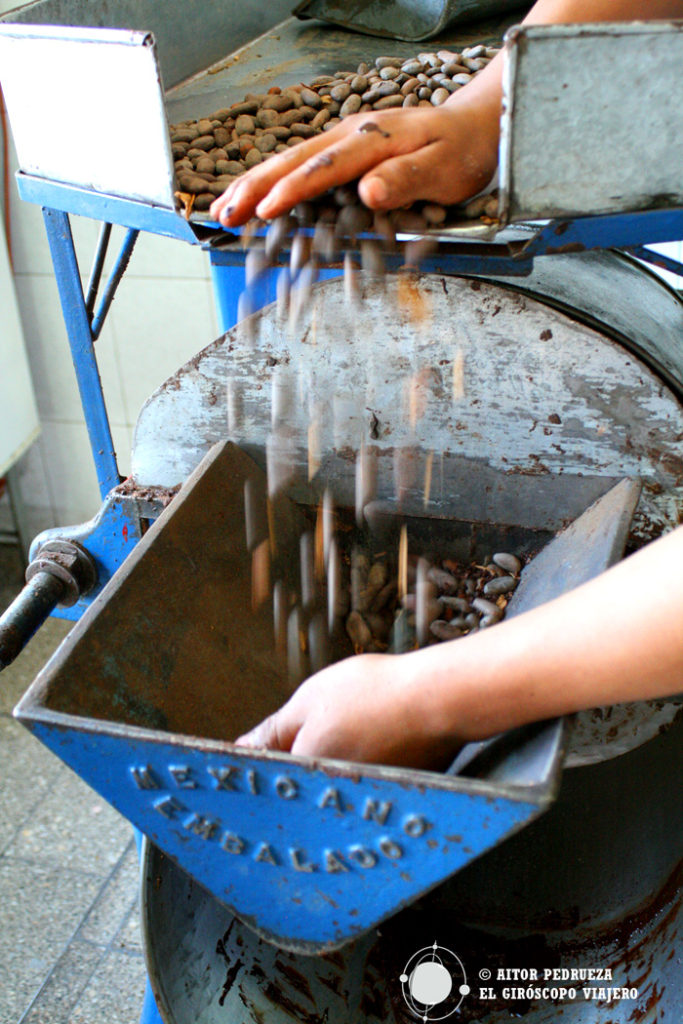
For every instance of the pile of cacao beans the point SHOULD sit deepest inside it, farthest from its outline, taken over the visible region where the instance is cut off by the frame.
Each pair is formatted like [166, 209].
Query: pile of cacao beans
[210, 152]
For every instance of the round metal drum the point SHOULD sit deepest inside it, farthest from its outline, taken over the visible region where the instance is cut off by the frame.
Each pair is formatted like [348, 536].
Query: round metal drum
[572, 377]
[592, 885]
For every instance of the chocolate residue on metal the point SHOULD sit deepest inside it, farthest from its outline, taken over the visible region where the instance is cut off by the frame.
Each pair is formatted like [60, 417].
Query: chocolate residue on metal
[233, 969]
[295, 978]
[278, 998]
[229, 981]
[666, 902]
[160, 495]
[334, 983]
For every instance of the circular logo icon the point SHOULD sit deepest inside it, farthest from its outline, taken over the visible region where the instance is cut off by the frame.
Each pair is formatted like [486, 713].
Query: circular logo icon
[434, 983]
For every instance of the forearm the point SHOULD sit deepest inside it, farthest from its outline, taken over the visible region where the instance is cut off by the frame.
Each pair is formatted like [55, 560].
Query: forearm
[557, 12]
[617, 638]
[482, 97]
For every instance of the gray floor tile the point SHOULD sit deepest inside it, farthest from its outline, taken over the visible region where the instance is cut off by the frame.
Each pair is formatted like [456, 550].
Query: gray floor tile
[17, 678]
[65, 985]
[114, 905]
[40, 908]
[115, 992]
[28, 771]
[130, 936]
[73, 826]
[61, 843]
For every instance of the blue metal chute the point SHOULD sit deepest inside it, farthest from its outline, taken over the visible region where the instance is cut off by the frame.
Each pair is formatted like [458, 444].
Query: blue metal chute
[308, 855]
[145, 695]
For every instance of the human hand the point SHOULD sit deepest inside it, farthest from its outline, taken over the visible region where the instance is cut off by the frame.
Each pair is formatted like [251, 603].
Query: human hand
[443, 154]
[360, 709]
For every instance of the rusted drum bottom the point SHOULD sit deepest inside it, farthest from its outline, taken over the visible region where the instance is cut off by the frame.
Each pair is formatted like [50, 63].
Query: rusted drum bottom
[594, 887]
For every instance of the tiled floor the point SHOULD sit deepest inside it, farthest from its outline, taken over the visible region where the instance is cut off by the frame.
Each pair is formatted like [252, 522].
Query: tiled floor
[70, 947]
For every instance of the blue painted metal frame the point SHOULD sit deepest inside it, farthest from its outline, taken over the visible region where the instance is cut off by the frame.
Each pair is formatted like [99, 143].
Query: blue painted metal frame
[117, 527]
[608, 231]
[112, 209]
[311, 855]
[82, 349]
[657, 259]
[230, 289]
[108, 538]
[117, 273]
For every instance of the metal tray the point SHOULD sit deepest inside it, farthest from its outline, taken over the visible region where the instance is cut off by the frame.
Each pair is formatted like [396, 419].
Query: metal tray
[588, 126]
[169, 664]
[104, 81]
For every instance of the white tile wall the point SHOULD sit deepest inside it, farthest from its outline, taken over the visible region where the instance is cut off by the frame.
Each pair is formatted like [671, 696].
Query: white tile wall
[70, 471]
[158, 324]
[162, 314]
[48, 350]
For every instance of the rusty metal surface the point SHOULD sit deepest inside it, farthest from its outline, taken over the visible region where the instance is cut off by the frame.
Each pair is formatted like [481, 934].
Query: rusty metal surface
[602, 733]
[618, 295]
[409, 19]
[553, 77]
[205, 967]
[294, 52]
[552, 410]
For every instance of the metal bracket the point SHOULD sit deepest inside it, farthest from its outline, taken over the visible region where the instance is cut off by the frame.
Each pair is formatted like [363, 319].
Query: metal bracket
[62, 571]
[569, 98]
[107, 539]
[70, 563]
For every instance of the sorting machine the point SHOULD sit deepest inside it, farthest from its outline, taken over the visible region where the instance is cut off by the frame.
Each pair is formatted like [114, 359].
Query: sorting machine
[276, 888]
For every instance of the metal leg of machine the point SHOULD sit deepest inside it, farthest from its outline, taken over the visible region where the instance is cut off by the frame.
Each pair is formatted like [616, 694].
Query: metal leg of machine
[80, 334]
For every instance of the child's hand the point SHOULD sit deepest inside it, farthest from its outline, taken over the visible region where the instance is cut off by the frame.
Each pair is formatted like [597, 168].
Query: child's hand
[444, 154]
[361, 709]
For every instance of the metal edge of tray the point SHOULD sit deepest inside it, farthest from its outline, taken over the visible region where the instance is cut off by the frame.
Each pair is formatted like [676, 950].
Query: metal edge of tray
[163, 782]
[98, 96]
[112, 209]
[551, 75]
[30, 707]
[92, 162]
